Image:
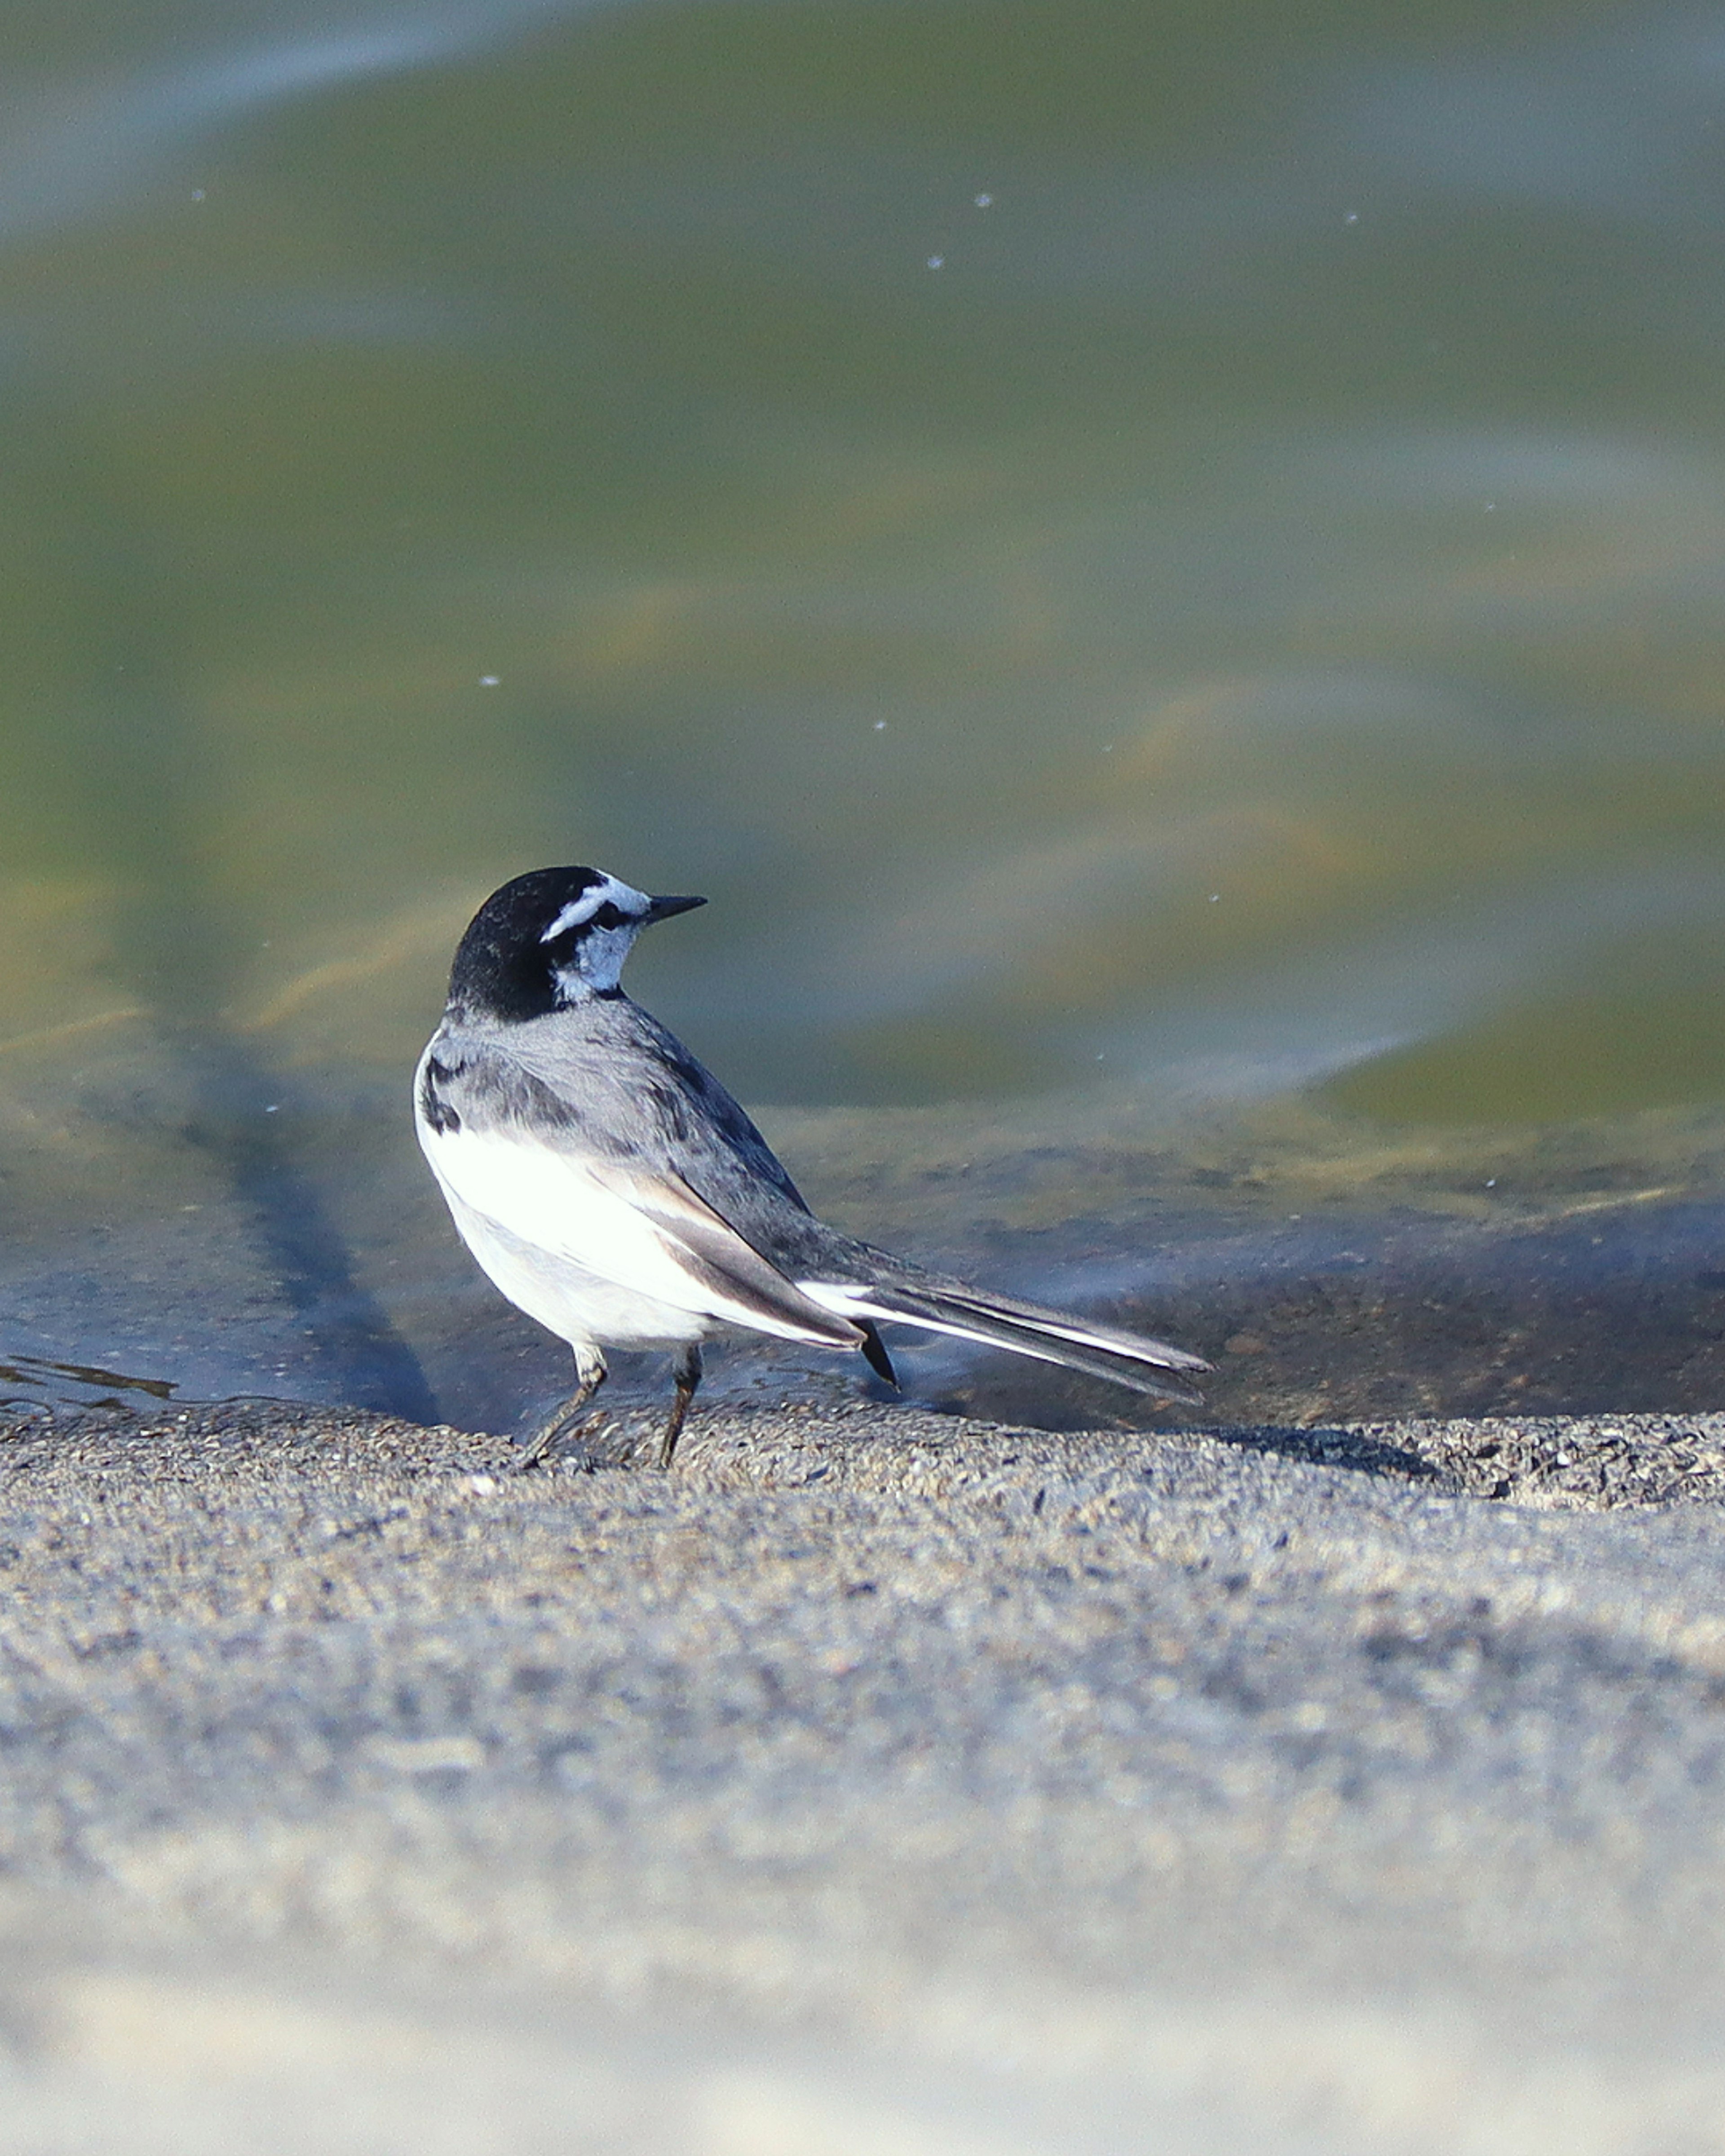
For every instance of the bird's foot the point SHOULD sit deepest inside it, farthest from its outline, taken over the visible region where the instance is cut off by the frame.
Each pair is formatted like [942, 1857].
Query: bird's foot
[555, 1435]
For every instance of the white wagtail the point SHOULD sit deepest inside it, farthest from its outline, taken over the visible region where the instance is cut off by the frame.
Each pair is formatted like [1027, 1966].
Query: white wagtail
[614, 1190]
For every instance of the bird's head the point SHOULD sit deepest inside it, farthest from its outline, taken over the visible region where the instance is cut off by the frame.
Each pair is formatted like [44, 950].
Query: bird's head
[549, 939]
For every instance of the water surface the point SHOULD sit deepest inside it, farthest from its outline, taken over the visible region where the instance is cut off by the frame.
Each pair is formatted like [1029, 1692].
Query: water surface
[1161, 567]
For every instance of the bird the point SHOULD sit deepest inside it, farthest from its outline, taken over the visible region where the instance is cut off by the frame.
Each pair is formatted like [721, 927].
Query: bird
[612, 1188]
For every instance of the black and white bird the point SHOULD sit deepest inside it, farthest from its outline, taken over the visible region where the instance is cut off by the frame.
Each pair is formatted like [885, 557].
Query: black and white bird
[614, 1191]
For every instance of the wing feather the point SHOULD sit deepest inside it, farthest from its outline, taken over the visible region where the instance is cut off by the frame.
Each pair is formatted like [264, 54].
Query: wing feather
[638, 1227]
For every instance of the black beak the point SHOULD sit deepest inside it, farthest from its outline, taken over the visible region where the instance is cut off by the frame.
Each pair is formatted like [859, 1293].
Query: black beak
[662, 909]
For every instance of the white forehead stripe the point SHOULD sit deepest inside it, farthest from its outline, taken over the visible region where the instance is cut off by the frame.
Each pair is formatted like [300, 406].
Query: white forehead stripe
[623, 896]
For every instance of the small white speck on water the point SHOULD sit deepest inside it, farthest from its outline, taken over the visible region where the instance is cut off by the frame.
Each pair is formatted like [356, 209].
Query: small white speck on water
[984, 201]
[1215, 898]
[490, 680]
[198, 194]
[274, 1108]
[1352, 218]
[1107, 748]
[1490, 507]
[936, 261]
[880, 725]
[1490, 1182]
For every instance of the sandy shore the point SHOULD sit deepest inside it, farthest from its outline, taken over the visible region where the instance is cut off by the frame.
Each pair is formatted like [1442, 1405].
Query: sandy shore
[877, 1782]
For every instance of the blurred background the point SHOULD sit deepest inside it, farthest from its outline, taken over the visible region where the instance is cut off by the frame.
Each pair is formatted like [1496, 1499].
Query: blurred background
[1161, 566]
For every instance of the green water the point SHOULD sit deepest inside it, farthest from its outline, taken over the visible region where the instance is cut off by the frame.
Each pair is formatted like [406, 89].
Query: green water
[1132, 551]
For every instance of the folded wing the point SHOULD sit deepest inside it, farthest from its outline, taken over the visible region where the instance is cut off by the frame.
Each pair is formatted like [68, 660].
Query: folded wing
[643, 1229]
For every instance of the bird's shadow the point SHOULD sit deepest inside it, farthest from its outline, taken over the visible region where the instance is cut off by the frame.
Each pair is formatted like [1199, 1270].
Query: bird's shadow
[1330, 1445]
[1354, 1451]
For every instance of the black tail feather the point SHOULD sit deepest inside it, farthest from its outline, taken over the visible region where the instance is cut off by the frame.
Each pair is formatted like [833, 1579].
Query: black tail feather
[1096, 1351]
[874, 1348]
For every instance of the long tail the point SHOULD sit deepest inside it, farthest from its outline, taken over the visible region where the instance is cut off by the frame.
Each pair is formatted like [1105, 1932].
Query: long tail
[995, 1321]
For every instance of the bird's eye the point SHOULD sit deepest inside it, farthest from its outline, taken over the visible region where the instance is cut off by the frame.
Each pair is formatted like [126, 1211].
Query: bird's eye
[608, 917]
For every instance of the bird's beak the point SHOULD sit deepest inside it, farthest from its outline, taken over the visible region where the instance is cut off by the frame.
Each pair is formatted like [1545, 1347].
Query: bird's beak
[662, 909]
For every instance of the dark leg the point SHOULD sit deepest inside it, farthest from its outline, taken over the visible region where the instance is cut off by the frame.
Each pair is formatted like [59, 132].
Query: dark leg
[589, 1376]
[688, 1377]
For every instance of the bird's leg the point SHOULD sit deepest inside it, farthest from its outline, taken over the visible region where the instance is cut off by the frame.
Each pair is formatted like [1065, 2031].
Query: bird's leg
[589, 1376]
[688, 1377]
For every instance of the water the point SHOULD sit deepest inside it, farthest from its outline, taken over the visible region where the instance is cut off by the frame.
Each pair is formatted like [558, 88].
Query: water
[1162, 569]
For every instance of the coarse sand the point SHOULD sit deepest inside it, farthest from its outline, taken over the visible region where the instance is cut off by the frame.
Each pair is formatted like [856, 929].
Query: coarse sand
[875, 1782]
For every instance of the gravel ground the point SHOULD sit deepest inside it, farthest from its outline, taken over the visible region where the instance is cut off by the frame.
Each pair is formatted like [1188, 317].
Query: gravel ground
[878, 1781]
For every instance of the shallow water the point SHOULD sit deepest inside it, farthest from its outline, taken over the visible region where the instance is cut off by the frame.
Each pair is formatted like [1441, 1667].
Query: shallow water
[1154, 564]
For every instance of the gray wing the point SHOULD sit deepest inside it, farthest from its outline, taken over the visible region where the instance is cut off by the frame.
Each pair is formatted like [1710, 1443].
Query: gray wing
[633, 1091]
[584, 1139]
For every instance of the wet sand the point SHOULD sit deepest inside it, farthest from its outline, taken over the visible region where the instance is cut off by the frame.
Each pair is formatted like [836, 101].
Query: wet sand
[877, 1781]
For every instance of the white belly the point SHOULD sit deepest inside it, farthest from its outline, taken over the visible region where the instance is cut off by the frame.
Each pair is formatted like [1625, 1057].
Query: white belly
[579, 1307]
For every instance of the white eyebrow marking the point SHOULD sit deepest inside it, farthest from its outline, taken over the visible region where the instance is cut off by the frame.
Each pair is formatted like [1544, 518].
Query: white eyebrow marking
[577, 911]
[623, 896]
